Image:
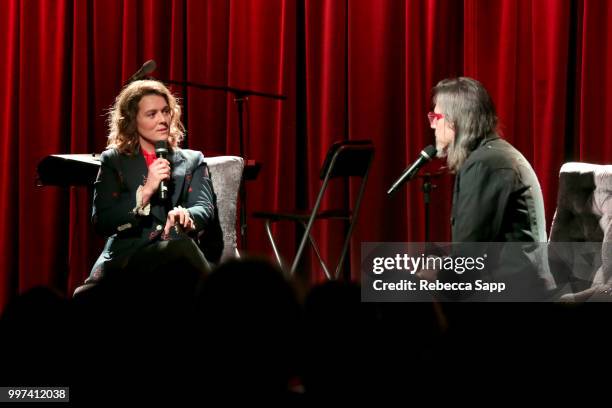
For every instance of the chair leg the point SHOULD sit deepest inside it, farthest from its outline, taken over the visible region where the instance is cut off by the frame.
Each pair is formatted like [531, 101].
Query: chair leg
[315, 210]
[300, 251]
[345, 246]
[316, 250]
[273, 243]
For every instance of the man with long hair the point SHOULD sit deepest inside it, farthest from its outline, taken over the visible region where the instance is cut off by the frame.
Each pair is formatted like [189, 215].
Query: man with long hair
[497, 196]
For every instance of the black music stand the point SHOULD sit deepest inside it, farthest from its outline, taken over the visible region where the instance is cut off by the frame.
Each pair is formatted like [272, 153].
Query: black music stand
[65, 170]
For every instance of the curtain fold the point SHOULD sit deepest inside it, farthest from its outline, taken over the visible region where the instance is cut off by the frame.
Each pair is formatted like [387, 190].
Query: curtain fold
[595, 84]
[326, 116]
[519, 51]
[9, 188]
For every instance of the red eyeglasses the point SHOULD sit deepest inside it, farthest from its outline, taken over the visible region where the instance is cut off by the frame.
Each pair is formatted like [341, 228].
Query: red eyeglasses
[433, 116]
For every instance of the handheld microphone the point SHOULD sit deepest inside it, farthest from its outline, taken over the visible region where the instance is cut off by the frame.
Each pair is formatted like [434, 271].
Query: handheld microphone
[426, 155]
[146, 69]
[161, 150]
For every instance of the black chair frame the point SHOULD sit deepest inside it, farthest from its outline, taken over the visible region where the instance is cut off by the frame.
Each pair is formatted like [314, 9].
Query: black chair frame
[344, 159]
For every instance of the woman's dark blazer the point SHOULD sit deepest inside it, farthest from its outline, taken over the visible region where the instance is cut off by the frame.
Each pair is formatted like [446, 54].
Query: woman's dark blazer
[114, 203]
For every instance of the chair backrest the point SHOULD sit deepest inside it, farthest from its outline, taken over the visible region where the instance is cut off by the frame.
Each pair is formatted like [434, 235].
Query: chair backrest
[226, 176]
[348, 158]
[584, 212]
[584, 203]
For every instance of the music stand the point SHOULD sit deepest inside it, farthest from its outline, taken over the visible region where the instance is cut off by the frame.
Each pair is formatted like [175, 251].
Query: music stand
[65, 170]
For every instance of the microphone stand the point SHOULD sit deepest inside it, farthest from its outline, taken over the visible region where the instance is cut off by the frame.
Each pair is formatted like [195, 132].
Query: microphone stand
[427, 188]
[240, 96]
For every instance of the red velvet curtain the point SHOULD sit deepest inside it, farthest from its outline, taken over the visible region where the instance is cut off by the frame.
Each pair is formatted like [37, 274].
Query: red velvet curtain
[520, 50]
[369, 66]
[65, 61]
[540, 60]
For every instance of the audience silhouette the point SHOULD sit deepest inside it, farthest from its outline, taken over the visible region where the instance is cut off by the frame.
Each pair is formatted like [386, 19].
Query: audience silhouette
[169, 330]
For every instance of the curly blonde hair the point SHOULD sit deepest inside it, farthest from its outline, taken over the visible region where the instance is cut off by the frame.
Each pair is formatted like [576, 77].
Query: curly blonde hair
[123, 131]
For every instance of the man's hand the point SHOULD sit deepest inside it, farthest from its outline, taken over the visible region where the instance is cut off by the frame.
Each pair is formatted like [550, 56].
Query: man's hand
[428, 274]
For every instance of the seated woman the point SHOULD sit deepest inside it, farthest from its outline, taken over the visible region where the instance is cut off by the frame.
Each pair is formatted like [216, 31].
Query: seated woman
[141, 224]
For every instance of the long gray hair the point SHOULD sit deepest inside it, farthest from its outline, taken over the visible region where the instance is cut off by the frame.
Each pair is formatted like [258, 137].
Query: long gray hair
[469, 110]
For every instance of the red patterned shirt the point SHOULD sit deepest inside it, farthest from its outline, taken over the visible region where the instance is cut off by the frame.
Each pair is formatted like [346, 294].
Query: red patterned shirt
[149, 157]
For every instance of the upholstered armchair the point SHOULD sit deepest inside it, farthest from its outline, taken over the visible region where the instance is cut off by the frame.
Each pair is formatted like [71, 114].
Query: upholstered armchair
[580, 247]
[226, 175]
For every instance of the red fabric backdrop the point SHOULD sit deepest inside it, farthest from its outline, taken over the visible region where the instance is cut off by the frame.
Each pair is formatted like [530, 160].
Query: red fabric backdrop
[369, 68]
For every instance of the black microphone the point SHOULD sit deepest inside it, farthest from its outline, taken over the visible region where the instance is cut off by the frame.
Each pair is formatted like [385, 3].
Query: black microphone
[146, 69]
[426, 155]
[161, 150]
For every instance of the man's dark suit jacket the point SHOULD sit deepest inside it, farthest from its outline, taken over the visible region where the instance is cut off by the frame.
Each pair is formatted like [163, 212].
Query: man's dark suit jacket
[114, 203]
[497, 197]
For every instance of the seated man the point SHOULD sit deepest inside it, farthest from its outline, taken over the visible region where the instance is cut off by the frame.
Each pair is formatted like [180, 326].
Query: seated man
[497, 197]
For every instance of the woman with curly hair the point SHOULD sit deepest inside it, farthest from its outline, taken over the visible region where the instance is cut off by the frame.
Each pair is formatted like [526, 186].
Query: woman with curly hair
[128, 208]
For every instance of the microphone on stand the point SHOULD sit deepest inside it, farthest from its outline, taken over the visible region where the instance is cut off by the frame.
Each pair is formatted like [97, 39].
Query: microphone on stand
[146, 69]
[161, 150]
[426, 155]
